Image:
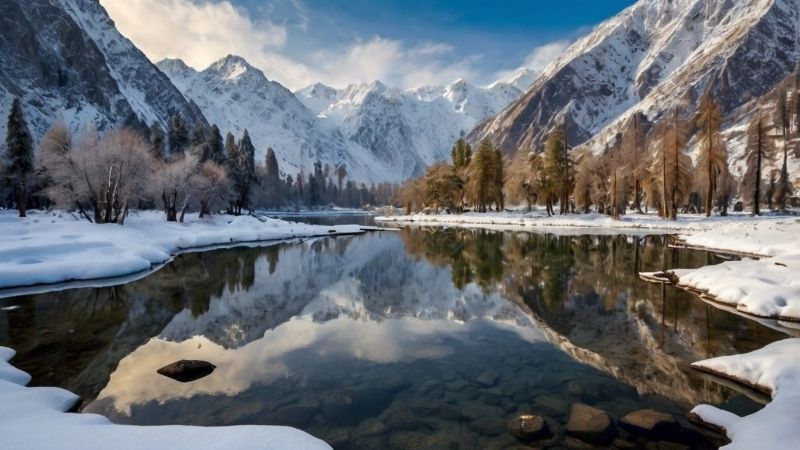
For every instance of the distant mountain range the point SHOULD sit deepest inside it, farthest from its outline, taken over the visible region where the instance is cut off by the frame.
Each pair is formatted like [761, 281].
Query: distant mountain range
[379, 133]
[65, 58]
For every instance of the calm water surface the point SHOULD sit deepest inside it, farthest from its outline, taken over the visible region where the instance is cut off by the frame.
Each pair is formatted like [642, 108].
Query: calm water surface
[424, 338]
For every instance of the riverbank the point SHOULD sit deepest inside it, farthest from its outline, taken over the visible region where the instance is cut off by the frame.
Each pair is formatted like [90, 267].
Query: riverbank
[56, 247]
[37, 418]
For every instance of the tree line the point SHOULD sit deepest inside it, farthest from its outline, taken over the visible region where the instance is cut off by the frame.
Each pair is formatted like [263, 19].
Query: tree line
[187, 167]
[646, 167]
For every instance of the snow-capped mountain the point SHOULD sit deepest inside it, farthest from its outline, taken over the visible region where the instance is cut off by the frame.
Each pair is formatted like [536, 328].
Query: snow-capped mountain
[412, 128]
[649, 58]
[237, 96]
[379, 133]
[65, 58]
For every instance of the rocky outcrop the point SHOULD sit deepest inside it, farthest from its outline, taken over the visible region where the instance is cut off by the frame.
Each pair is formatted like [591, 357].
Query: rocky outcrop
[65, 59]
[649, 58]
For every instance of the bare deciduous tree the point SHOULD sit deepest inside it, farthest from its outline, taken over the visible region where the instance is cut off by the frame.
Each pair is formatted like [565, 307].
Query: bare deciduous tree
[107, 175]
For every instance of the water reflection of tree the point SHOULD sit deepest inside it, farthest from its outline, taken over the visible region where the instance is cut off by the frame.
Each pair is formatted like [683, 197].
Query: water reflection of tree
[61, 336]
[473, 255]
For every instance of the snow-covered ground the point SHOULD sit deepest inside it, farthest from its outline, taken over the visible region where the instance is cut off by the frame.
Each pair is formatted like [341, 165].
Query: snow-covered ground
[55, 247]
[35, 418]
[539, 219]
[773, 370]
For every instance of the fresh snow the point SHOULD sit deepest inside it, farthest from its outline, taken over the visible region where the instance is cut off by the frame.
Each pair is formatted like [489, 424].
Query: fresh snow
[773, 370]
[54, 247]
[34, 418]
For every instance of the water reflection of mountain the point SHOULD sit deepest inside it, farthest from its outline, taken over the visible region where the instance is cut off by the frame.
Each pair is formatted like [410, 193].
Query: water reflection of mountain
[580, 292]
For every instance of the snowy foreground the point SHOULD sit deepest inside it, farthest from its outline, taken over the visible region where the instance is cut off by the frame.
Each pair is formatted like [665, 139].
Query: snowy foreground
[35, 418]
[773, 370]
[55, 247]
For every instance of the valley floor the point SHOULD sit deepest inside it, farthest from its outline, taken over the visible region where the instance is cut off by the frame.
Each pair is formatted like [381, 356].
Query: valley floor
[767, 287]
[56, 247]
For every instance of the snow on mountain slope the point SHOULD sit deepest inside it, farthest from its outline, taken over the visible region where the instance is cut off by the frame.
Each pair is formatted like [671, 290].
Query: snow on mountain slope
[651, 57]
[64, 58]
[237, 96]
[411, 128]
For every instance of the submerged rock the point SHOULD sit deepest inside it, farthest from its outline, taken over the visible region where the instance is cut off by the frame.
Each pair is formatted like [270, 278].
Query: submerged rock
[487, 379]
[528, 427]
[651, 424]
[187, 370]
[491, 426]
[590, 424]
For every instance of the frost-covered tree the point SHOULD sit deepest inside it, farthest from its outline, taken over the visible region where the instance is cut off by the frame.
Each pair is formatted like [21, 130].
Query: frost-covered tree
[759, 151]
[19, 154]
[54, 149]
[199, 143]
[210, 186]
[712, 158]
[107, 175]
[173, 183]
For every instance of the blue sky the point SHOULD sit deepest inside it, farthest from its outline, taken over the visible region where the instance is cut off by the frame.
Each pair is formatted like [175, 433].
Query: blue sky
[402, 42]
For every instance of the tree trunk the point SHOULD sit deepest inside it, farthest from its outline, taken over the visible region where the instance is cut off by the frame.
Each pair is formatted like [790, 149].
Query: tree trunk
[21, 200]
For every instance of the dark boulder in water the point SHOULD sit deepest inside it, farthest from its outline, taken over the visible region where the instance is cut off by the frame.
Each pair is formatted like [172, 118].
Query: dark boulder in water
[187, 370]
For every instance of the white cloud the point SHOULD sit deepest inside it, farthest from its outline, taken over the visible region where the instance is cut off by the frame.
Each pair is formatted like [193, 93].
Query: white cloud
[537, 60]
[200, 32]
[542, 56]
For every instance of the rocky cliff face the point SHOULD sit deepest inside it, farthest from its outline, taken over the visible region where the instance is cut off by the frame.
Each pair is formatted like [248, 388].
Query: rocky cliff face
[654, 55]
[65, 59]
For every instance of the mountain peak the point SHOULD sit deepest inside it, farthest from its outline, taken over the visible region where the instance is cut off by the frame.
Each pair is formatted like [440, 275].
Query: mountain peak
[231, 67]
[173, 66]
[521, 79]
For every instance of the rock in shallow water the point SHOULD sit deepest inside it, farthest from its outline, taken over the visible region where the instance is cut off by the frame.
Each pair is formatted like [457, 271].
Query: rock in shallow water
[651, 424]
[590, 424]
[187, 370]
[528, 427]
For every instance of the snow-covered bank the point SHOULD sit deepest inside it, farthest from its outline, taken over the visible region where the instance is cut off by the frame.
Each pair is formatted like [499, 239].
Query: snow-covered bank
[768, 287]
[35, 418]
[773, 370]
[54, 247]
[539, 219]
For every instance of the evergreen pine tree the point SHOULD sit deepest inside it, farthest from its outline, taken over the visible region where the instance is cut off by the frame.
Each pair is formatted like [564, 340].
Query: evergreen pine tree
[273, 176]
[19, 154]
[216, 147]
[461, 154]
[232, 164]
[178, 135]
[157, 139]
[247, 170]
